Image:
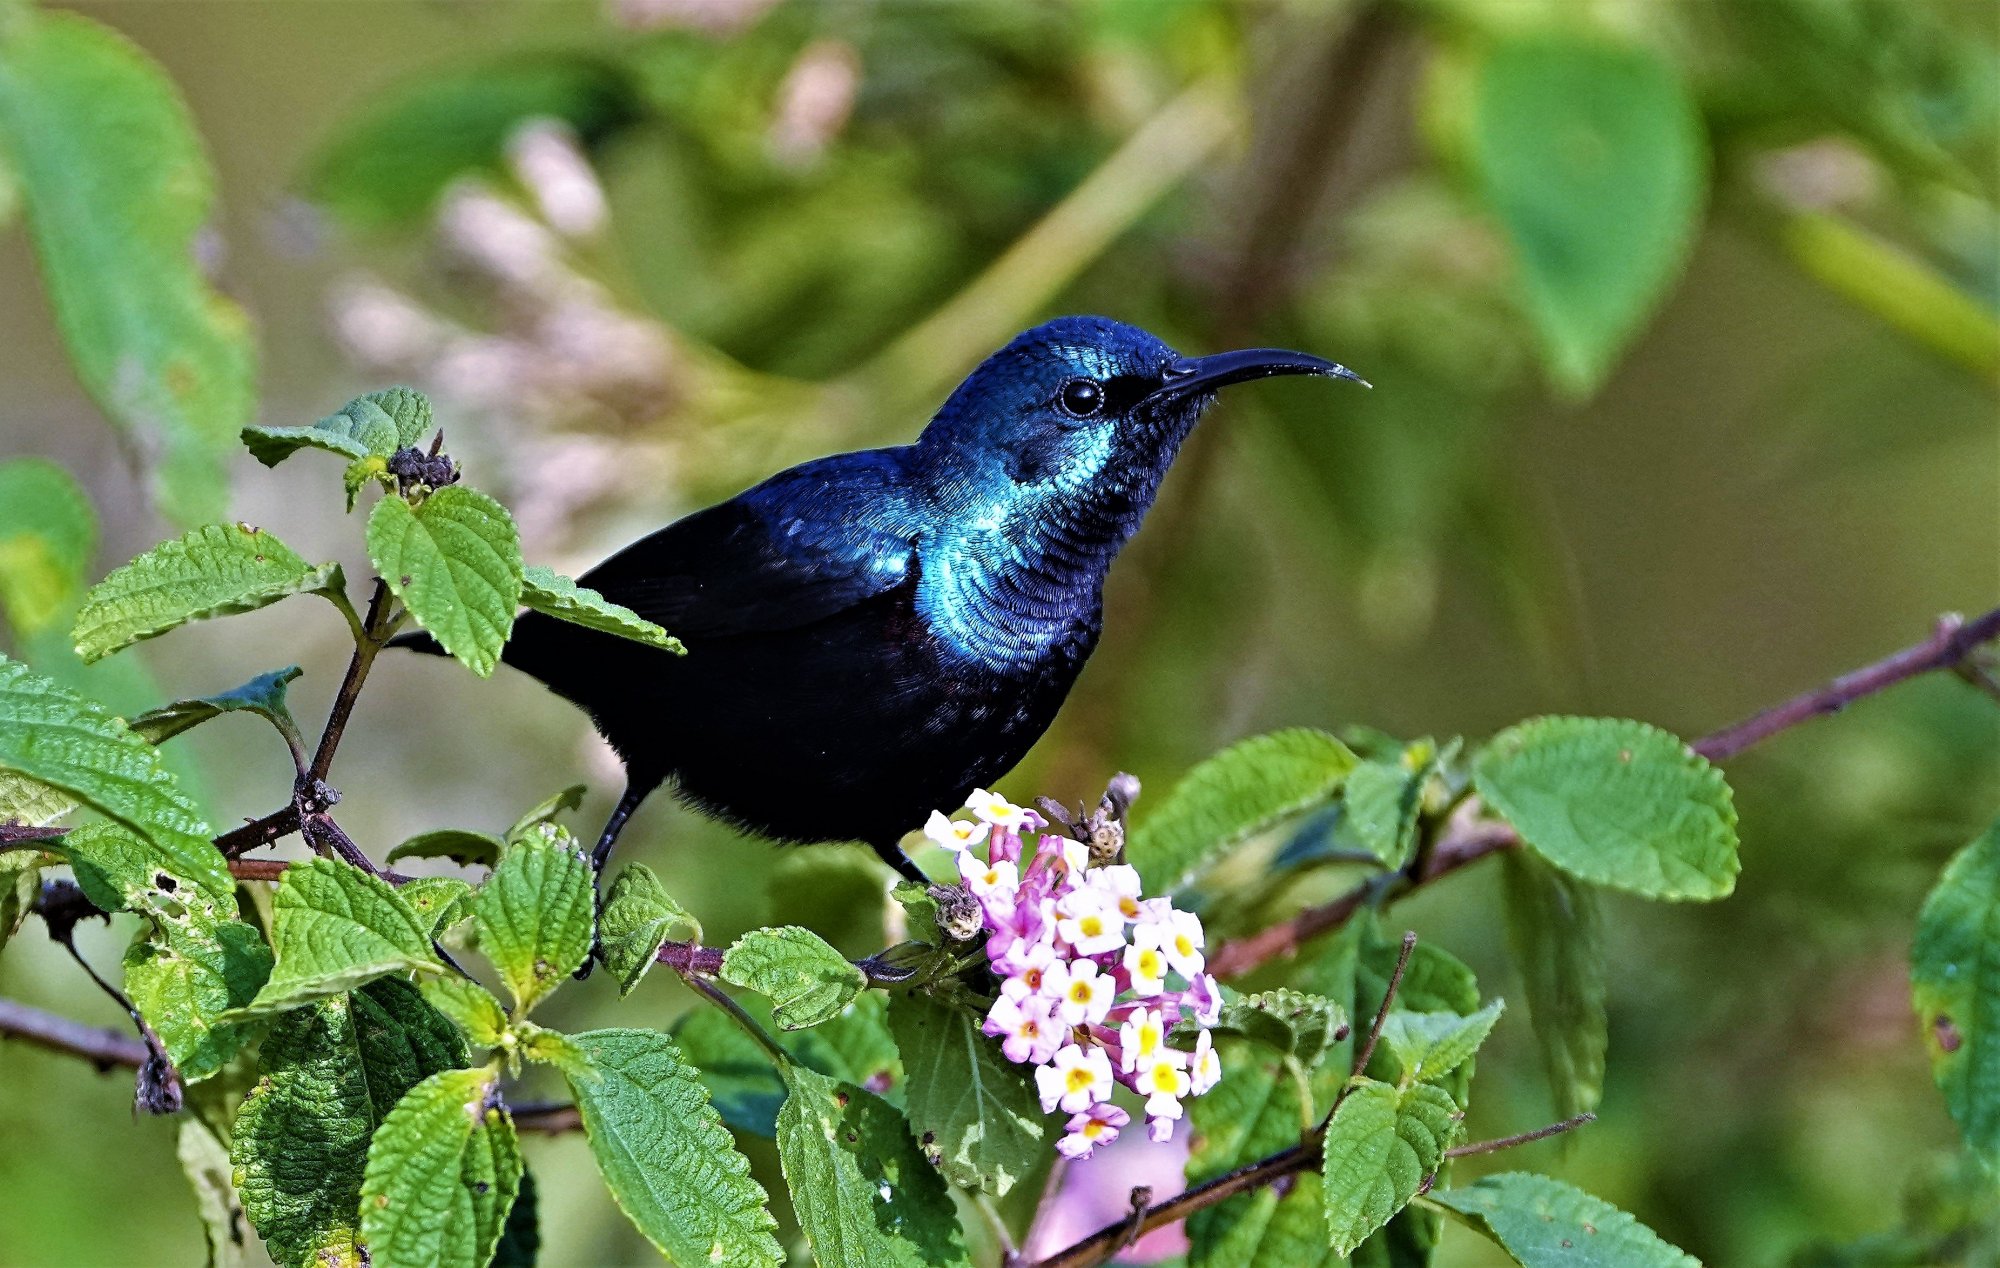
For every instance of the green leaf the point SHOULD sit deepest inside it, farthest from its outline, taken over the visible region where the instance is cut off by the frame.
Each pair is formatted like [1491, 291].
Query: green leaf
[187, 977]
[55, 737]
[1955, 986]
[460, 845]
[553, 595]
[1557, 936]
[1429, 1046]
[975, 1112]
[734, 1068]
[805, 978]
[1257, 1110]
[1291, 1023]
[1592, 157]
[547, 811]
[214, 570]
[117, 189]
[666, 1156]
[47, 535]
[387, 166]
[1544, 1223]
[205, 1162]
[863, 1193]
[455, 562]
[31, 802]
[1380, 1147]
[1616, 803]
[639, 916]
[263, 695]
[331, 1073]
[469, 1005]
[1380, 802]
[1233, 795]
[439, 901]
[375, 425]
[20, 885]
[535, 915]
[334, 927]
[442, 1173]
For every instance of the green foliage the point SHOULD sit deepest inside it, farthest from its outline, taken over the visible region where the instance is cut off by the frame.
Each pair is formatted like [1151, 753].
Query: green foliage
[460, 845]
[263, 695]
[439, 901]
[470, 1006]
[1955, 986]
[188, 978]
[367, 431]
[55, 737]
[1429, 1046]
[1380, 802]
[455, 562]
[807, 980]
[331, 1073]
[664, 1152]
[214, 570]
[1544, 1223]
[47, 536]
[864, 1194]
[1293, 1023]
[442, 1173]
[536, 914]
[1258, 1109]
[557, 596]
[1557, 936]
[639, 916]
[1616, 803]
[1240, 791]
[334, 927]
[116, 188]
[1381, 1146]
[976, 1114]
[386, 167]
[1591, 156]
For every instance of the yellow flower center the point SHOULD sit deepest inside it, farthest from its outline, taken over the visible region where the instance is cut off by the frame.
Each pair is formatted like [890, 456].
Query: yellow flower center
[1128, 908]
[1079, 1078]
[1090, 926]
[1079, 992]
[1184, 945]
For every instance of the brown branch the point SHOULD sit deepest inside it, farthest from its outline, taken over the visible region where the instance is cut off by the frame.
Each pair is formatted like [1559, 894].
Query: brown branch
[1469, 839]
[1522, 1138]
[690, 957]
[279, 823]
[105, 1049]
[365, 648]
[549, 1118]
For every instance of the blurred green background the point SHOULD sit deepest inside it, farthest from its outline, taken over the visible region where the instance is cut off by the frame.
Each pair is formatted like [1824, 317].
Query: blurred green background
[1682, 320]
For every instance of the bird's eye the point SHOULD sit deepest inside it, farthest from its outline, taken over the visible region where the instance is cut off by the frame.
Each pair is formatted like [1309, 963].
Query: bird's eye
[1082, 397]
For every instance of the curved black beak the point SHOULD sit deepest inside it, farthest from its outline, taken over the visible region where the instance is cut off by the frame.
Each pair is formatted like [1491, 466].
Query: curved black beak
[1189, 375]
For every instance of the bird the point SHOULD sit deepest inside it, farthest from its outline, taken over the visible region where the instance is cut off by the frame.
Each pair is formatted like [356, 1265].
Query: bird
[873, 635]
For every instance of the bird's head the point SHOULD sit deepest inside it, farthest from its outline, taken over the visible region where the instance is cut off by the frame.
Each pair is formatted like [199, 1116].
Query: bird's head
[1086, 414]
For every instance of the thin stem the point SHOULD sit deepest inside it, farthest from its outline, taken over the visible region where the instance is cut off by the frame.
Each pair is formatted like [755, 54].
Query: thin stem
[720, 998]
[1367, 1053]
[1508, 1142]
[279, 823]
[104, 1048]
[983, 1203]
[372, 636]
[685, 958]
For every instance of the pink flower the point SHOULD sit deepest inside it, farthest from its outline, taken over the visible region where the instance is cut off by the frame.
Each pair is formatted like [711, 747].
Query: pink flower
[1027, 1028]
[1095, 1126]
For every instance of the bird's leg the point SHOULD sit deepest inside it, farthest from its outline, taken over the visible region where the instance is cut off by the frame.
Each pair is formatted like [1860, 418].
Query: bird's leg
[634, 794]
[891, 852]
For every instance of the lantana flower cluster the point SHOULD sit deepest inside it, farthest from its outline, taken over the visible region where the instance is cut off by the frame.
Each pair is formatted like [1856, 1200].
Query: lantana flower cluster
[1093, 975]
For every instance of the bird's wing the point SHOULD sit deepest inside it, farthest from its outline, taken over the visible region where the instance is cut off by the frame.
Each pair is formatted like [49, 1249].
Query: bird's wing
[800, 547]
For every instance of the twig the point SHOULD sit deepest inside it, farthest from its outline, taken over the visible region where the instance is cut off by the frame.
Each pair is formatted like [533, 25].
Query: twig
[279, 823]
[1508, 1142]
[1367, 1053]
[365, 648]
[687, 958]
[1469, 839]
[106, 1049]
[549, 1118]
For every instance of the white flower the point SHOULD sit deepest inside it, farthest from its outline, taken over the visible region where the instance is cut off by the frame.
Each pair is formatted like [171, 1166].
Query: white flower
[1148, 969]
[1204, 996]
[1085, 993]
[1090, 925]
[992, 808]
[1141, 1038]
[1031, 968]
[955, 834]
[1028, 1031]
[1075, 1080]
[989, 881]
[1096, 1126]
[1119, 884]
[1205, 1067]
[1163, 1081]
[1160, 1127]
[1184, 943]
